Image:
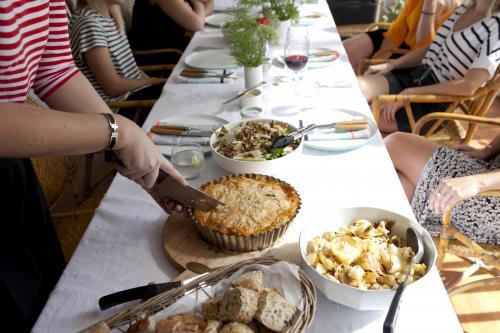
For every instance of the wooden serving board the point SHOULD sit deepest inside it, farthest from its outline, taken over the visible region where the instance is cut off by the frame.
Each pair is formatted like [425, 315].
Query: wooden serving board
[183, 243]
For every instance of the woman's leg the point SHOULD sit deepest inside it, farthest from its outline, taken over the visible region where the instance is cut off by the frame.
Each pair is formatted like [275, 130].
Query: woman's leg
[358, 48]
[409, 154]
[373, 85]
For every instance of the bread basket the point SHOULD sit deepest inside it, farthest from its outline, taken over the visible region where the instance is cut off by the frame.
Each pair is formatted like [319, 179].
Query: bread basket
[246, 243]
[122, 320]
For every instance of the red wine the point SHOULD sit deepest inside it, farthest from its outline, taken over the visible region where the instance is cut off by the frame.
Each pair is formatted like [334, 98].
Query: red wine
[296, 62]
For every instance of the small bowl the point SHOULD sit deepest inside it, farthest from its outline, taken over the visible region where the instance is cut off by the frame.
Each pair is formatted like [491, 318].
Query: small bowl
[352, 297]
[268, 167]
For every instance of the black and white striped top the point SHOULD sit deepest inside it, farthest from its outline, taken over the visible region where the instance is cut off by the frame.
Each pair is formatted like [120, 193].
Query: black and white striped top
[453, 53]
[90, 29]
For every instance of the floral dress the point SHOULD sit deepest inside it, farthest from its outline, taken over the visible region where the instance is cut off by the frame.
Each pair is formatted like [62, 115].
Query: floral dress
[476, 217]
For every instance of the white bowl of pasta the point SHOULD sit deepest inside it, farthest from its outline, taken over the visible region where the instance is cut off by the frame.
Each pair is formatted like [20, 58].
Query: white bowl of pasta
[245, 146]
[357, 256]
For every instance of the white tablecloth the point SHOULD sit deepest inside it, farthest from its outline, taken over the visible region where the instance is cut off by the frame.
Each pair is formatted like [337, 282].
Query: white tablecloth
[122, 247]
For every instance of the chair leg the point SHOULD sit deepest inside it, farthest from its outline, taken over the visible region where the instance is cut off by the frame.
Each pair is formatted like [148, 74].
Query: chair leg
[472, 285]
[477, 264]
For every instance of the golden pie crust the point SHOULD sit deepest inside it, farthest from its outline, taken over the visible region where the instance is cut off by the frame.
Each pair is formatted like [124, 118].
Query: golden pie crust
[254, 204]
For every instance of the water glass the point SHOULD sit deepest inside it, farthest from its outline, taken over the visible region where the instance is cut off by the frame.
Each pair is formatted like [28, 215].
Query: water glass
[188, 159]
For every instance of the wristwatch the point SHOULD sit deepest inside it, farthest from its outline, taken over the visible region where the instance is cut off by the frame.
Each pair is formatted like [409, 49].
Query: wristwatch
[113, 138]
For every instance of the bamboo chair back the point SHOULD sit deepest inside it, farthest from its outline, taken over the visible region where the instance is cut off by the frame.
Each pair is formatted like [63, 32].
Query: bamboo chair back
[484, 254]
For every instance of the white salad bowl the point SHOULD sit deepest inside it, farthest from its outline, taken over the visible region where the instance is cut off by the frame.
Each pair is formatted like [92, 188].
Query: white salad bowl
[267, 167]
[352, 297]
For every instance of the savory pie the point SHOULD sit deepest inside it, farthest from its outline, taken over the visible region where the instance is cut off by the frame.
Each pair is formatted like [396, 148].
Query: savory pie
[253, 204]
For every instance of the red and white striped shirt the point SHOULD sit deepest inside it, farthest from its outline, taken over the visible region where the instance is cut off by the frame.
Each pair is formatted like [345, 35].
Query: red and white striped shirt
[34, 48]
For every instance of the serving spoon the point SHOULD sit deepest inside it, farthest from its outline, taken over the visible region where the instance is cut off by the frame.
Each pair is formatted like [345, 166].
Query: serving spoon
[415, 242]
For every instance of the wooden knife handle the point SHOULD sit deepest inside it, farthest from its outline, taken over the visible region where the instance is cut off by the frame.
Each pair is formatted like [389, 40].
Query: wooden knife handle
[352, 125]
[166, 131]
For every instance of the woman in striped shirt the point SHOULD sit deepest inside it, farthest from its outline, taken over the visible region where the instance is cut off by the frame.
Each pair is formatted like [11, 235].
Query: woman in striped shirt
[103, 54]
[35, 54]
[463, 56]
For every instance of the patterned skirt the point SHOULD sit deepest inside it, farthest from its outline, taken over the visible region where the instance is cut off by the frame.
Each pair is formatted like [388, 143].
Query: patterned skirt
[476, 217]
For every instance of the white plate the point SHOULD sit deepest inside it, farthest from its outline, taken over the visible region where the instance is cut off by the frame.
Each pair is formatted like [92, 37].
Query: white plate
[217, 20]
[341, 145]
[211, 59]
[191, 119]
[279, 62]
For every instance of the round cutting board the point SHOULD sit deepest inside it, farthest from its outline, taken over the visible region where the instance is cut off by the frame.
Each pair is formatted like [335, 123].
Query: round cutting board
[183, 243]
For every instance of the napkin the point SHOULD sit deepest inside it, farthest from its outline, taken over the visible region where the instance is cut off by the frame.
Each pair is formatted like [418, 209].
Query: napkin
[182, 79]
[327, 58]
[172, 140]
[332, 134]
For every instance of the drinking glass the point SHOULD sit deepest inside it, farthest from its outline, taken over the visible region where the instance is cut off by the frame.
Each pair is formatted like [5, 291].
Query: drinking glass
[188, 159]
[296, 51]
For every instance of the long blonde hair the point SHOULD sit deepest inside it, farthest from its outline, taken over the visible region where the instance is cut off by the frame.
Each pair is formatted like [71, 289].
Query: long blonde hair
[114, 10]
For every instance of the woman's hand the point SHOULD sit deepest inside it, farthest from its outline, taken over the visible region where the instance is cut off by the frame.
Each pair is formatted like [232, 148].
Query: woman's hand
[480, 154]
[380, 69]
[450, 191]
[389, 110]
[141, 159]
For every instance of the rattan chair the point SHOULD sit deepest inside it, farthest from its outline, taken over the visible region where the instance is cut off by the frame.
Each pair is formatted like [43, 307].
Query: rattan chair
[477, 104]
[58, 175]
[481, 256]
[462, 246]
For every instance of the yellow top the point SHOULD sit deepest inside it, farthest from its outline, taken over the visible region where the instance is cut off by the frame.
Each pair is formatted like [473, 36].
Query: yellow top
[404, 28]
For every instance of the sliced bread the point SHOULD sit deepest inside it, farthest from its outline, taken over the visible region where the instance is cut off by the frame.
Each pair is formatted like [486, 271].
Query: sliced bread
[251, 280]
[213, 326]
[274, 311]
[234, 327]
[239, 304]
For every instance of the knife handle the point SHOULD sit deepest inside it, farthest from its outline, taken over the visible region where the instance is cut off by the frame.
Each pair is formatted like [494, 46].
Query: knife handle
[144, 292]
[110, 156]
[166, 131]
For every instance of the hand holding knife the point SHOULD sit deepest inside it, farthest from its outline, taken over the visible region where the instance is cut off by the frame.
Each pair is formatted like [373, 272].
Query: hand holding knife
[168, 187]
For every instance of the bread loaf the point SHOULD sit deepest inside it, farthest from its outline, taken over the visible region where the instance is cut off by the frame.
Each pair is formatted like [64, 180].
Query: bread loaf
[234, 327]
[101, 327]
[182, 323]
[213, 326]
[274, 311]
[146, 325]
[251, 280]
[210, 308]
[239, 304]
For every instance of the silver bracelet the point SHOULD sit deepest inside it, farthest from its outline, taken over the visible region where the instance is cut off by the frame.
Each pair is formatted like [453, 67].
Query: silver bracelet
[113, 138]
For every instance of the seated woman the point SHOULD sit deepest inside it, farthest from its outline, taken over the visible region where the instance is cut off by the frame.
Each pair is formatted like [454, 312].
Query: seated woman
[102, 52]
[463, 56]
[435, 178]
[158, 24]
[414, 27]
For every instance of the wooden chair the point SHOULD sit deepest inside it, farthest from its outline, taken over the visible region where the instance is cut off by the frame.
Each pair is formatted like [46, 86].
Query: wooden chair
[481, 256]
[475, 105]
[463, 246]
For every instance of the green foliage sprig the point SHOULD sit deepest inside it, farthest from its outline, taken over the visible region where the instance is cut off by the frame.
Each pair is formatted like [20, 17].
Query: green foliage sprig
[285, 10]
[391, 12]
[247, 38]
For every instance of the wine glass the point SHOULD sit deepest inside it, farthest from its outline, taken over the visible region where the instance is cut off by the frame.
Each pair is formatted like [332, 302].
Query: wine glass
[296, 51]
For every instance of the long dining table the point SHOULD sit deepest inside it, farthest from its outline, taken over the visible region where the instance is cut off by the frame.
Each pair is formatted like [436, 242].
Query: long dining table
[123, 248]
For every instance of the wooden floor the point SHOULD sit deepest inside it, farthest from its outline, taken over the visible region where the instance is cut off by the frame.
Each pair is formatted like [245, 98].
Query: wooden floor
[478, 310]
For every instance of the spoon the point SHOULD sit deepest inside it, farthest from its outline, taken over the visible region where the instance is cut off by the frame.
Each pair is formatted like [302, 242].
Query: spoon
[414, 241]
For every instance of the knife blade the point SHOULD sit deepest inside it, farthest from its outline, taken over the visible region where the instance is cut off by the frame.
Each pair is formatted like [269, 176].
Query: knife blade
[138, 293]
[243, 93]
[169, 187]
[187, 195]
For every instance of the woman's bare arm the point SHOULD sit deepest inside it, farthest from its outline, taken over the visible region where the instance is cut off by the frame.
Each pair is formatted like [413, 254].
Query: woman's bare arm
[101, 65]
[425, 26]
[192, 19]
